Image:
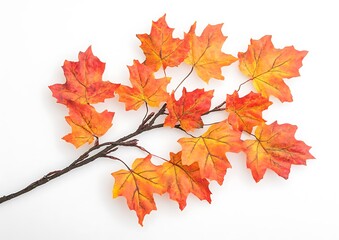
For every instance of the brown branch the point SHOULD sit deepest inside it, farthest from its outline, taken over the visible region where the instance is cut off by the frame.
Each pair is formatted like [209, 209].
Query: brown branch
[147, 124]
[82, 160]
[86, 158]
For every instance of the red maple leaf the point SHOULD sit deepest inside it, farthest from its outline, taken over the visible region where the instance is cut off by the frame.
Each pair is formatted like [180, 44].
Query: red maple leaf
[84, 82]
[276, 148]
[188, 109]
[246, 112]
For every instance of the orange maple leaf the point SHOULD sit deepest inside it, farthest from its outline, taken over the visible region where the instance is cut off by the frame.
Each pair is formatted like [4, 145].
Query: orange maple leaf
[86, 123]
[84, 82]
[137, 185]
[267, 66]
[246, 112]
[205, 54]
[188, 109]
[276, 148]
[180, 180]
[145, 88]
[209, 150]
[160, 48]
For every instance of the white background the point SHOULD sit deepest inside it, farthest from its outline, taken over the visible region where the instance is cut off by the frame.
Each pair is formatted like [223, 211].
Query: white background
[37, 36]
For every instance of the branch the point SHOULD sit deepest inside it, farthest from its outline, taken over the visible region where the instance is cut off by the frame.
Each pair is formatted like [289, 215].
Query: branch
[108, 147]
[82, 160]
[86, 158]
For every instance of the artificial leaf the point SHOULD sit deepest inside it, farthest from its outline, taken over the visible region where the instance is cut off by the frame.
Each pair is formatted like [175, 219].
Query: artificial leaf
[205, 53]
[268, 66]
[209, 150]
[160, 48]
[181, 180]
[86, 123]
[246, 112]
[276, 148]
[145, 88]
[188, 109]
[84, 82]
[138, 185]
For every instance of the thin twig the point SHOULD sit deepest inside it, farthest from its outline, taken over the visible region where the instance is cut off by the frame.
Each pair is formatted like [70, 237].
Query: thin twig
[143, 120]
[160, 112]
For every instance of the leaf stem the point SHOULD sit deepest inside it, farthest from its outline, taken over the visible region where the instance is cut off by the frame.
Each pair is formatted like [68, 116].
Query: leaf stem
[250, 79]
[148, 152]
[209, 124]
[164, 71]
[182, 81]
[216, 109]
[180, 128]
[118, 159]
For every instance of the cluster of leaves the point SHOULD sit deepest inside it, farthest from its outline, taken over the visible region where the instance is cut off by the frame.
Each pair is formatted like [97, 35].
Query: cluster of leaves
[202, 158]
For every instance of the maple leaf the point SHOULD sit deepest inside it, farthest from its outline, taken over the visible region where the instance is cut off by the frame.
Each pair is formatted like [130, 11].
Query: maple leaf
[145, 88]
[205, 54]
[188, 109]
[137, 185]
[86, 123]
[267, 66]
[276, 148]
[209, 150]
[246, 112]
[84, 82]
[160, 48]
[180, 180]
